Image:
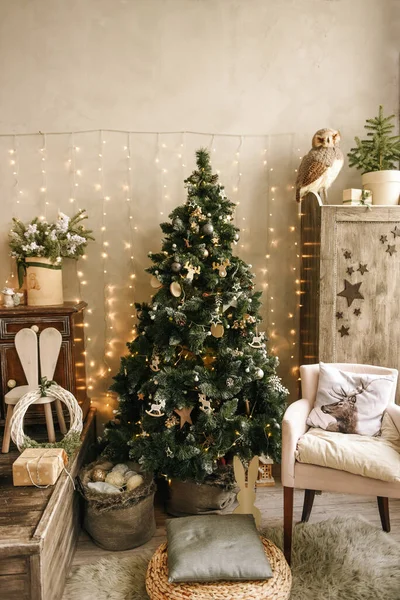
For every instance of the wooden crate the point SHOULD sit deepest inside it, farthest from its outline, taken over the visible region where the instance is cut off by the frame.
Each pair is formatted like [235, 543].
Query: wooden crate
[39, 529]
[360, 246]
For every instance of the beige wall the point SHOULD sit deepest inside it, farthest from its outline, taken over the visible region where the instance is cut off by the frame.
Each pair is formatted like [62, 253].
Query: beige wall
[277, 69]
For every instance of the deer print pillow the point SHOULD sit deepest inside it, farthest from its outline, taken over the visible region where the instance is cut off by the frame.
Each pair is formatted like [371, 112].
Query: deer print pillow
[350, 402]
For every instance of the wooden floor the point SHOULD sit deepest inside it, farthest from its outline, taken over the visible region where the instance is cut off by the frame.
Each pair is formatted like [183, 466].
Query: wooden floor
[270, 502]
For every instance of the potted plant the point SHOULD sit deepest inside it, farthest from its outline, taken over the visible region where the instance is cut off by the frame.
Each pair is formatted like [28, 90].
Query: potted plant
[378, 158]
[39, 248]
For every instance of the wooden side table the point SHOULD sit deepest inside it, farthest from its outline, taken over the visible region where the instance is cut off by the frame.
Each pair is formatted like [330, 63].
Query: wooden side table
[70, 371]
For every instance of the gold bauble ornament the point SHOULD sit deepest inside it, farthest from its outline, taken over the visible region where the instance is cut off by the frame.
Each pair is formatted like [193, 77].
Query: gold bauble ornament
[217, 330]
[99, 474]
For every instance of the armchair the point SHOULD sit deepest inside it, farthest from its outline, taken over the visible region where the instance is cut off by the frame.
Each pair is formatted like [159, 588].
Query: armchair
[312, 478]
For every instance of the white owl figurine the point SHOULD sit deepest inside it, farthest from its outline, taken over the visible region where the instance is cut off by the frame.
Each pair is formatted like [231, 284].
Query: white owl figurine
[320, 167]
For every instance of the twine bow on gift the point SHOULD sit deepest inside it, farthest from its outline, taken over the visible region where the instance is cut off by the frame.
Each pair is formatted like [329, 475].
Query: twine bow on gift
[38, 459]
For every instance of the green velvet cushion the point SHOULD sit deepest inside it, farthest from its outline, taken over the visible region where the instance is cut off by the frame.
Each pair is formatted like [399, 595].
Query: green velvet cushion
[215, 548]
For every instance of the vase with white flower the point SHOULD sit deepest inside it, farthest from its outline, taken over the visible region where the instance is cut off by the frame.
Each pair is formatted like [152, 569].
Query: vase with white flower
[39, 248]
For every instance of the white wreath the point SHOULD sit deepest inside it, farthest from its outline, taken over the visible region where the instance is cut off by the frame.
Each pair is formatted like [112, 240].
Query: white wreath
[55, 391]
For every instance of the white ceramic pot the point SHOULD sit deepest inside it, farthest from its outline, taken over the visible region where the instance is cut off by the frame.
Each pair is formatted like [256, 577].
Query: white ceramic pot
[384, 185]
[43, 282]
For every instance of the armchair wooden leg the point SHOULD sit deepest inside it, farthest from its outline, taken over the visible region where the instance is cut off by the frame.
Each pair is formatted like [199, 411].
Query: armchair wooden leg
[383, 505]
[309, 496]
[7, 430]
[287, 522]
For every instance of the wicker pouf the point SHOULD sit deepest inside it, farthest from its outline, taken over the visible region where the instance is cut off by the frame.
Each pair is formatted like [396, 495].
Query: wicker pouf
[276, 588]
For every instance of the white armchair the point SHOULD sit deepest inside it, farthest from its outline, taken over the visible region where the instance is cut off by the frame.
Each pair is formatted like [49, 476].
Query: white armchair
[312, 478]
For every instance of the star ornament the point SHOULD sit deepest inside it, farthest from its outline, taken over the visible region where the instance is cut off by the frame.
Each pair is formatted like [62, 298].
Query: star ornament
[140, 396]
[351, 292]
[343, 331]
[184, 414]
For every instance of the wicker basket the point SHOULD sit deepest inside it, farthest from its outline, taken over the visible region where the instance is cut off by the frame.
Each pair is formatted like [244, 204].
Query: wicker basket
[276, 588]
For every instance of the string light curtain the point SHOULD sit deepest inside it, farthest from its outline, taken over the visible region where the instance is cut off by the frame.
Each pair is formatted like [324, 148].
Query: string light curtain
[129, 182]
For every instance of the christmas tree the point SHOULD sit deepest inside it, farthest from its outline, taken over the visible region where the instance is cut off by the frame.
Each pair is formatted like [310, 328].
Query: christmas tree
[198, 385]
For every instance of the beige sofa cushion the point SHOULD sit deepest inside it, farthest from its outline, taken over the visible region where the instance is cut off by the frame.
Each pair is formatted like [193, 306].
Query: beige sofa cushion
[375, 457]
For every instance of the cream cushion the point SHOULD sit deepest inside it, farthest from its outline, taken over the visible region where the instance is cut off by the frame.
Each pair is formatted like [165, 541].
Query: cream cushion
[374, 457]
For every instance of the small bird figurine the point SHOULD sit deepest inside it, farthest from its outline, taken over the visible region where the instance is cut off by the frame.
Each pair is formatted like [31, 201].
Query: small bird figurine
[320, 167]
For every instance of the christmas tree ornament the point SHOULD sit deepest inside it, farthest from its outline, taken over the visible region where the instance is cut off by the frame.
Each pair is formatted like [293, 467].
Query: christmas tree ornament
[229, 382]
[174, 246]
[169, 452]
[134, 482]
[184, 414]
[155, 283]
[205, 404]
[258, 340]
[155, 410]
[115, 478]
[176, 267]
[205, 253]
[103, 488]
[217, 330]
[171, 422]
[99, 474]
[175, 289]
[155, 361]
[208, 228]
[191, 271]
[196, 378]
[259, 373]
[236, 237]
[120, 468]
[140, 396]
[129, 474]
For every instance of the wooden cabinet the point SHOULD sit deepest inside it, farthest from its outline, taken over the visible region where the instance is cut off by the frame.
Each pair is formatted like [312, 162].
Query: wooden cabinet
[70, 370]
[350, 281]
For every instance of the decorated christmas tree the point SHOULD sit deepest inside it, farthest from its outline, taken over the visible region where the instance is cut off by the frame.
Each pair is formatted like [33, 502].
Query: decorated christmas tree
[198, 385]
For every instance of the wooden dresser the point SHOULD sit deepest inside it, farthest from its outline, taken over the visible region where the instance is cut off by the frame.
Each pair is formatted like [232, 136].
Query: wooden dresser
[350, 281]
[70, 371]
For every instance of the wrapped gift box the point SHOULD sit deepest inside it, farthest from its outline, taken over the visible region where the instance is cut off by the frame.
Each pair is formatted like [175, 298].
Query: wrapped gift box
[353, 197]
[39, 466]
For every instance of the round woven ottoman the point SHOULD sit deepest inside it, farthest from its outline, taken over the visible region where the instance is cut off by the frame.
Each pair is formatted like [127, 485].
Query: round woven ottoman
[276, 588]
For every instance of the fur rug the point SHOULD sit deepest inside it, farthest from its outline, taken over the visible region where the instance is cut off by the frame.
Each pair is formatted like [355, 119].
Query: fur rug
[338, 559]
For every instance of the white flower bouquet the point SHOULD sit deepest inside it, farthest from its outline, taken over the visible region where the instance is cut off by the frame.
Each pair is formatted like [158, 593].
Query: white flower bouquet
[66, 238]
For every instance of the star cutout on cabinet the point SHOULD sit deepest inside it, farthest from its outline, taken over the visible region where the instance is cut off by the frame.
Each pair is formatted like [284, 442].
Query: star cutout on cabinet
[347, 254]
[396, 232]
[391, 249]
[339, 315]
[384, 239]
[350, 270]
[343, 331]
[363, 269]
[184, 414]
[357, 312]
[351, 292]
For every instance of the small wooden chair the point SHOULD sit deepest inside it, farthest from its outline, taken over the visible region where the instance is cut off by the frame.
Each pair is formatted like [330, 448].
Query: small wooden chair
[30, 354]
